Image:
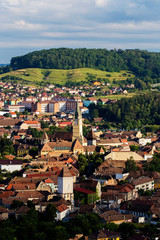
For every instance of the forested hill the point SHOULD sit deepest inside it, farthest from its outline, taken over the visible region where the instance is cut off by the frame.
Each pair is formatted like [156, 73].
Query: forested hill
[131, 113]
[143, 64]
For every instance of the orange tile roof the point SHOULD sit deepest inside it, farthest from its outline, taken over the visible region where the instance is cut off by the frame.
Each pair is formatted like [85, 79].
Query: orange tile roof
[9, 187]
[48, 180]
[17, 137]
[62, 208]
[12, 112]
[31, 122]
[124, 140]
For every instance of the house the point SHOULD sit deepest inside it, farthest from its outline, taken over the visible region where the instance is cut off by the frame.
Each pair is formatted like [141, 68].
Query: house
[18, 187]
[145, 183]
[33, 124]
[62, 206]
[22, 149]
[110, 168]
[51, 184]
[84, 196]
[124, 156]
[14, 108]
[115, 217]
[93, 185]
[13, 114]
[104, 235]
[62, 212]
[42, 186]
[141, 208]
[8, 122]
[88, 101]
[11, 165]
[144, 141]
[124, 192]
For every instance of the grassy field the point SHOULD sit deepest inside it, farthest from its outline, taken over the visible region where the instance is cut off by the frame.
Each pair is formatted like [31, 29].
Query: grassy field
[36, 76]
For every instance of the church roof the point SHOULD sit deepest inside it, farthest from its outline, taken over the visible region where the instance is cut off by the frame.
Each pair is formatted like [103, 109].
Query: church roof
[59, 144]
[67, 136]
[77, 145]
[65, 172]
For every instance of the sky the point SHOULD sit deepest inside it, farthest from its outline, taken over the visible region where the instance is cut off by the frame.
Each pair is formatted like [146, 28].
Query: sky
[31, 25]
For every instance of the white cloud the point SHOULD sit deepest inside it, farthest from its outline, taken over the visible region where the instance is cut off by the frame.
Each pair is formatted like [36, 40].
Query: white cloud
[79, 23]
[102, 3]
[23, 25]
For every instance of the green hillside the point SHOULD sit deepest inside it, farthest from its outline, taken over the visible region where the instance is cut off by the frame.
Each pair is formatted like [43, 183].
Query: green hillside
[37, 76]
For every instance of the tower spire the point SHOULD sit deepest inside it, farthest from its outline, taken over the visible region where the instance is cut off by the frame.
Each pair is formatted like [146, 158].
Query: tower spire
[77, 126]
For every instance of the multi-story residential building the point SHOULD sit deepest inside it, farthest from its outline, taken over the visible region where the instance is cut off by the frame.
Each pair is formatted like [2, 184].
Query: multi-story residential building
[53, 107]
[71, 105]
[61, 106]
[44, 107]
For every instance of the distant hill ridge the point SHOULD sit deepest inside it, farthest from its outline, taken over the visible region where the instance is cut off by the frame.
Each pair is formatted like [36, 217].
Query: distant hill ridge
[142, 63]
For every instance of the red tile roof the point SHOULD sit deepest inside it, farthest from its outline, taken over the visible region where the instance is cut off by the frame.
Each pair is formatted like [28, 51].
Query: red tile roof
[62, 208]
[83, 190]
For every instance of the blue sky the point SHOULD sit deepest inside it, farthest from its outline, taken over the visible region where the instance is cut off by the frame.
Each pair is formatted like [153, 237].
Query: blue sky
[29, 25]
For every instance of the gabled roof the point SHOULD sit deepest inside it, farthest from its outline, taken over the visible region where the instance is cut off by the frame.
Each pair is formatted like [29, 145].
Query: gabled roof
[62, 208]
[77, 145]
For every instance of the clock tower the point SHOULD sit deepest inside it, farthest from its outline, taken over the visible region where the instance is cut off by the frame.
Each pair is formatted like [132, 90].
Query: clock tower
[65, 184]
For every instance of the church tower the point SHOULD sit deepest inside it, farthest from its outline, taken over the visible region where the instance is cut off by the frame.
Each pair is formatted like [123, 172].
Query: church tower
[77, 126]
[65, 184]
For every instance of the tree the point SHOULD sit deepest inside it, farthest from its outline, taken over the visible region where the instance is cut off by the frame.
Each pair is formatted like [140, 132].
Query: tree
[126, 230]
[130, 165]
[17, 204]
[134, 148]
[33, 151]
[82, 163]
[50, 213]
[154, 165]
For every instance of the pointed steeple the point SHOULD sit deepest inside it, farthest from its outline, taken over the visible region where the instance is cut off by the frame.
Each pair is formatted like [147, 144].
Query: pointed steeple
[78, 114]
[77, 125]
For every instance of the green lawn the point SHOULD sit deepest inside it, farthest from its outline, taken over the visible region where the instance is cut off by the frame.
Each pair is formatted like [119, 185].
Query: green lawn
[36, 76]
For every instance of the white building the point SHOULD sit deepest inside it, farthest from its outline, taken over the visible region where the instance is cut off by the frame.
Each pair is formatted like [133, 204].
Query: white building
[61, 106]
[10, 165]
[144, 141]
[14, 108]
[144, 183]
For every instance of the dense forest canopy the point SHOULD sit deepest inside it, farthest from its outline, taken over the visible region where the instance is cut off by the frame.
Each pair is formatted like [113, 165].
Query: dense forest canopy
[130, 113]
[142, 63]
